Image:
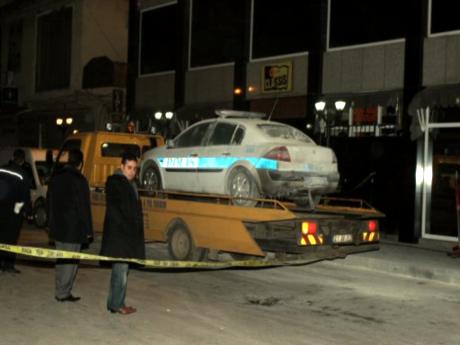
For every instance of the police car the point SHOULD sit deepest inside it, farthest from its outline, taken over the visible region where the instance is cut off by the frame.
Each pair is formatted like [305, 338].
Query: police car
[242, 155]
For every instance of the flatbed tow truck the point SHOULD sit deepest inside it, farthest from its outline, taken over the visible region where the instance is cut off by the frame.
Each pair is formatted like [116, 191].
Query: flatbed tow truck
[197, 227]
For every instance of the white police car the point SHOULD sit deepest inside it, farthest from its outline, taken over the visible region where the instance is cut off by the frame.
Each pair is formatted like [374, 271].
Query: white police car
[242, 155]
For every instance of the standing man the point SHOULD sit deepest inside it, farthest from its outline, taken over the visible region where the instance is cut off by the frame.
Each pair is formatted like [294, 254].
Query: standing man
[123, 235]
[14, 198]
[70, 220]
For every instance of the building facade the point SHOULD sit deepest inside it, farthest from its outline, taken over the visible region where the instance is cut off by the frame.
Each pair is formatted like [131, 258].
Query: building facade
[61, 58]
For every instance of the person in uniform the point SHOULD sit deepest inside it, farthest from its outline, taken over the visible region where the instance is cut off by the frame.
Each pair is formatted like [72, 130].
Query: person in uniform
[14, 198]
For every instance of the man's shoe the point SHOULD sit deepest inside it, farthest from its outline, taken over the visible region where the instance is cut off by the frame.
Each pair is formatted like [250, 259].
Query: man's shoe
[69, 298]
[123, 310]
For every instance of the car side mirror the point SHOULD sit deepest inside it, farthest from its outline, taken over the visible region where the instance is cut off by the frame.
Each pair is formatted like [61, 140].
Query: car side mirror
[170, 144]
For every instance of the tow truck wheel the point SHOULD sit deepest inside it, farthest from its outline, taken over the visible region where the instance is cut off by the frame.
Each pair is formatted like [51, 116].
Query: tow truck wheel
[39, 214]
[181, 246]
[151, 179]
[240, 183]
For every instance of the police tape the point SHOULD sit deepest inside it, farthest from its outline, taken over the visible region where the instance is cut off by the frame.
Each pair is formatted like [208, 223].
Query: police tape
[46, 253]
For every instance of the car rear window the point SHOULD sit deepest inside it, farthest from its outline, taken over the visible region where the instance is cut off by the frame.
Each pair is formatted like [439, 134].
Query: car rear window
[284, 132]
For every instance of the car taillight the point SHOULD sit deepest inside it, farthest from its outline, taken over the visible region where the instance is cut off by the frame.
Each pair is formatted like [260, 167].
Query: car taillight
[279, 153]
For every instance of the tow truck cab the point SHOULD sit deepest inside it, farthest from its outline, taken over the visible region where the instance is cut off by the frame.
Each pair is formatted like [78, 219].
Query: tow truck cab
[102, 151]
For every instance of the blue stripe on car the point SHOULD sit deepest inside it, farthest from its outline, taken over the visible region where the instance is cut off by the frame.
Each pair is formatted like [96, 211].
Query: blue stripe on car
[214, 162]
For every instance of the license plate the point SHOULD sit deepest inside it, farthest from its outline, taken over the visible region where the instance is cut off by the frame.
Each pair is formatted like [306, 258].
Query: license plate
[342, 238]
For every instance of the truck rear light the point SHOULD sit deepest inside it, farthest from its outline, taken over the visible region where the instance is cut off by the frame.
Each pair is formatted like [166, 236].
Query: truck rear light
[279, 153]
[372, 225]
[309, 228]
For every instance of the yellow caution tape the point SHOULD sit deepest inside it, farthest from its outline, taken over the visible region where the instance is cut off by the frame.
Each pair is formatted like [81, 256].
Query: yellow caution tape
[62, 254]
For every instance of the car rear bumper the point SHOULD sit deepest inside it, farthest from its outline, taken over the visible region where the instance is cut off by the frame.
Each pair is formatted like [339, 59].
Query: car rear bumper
[291, 183]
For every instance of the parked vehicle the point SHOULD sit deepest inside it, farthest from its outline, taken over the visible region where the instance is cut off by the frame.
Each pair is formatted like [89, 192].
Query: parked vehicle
[242, 155]
[38, 167]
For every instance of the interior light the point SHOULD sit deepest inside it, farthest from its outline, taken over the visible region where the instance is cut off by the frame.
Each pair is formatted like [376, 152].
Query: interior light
[237, 91]
[158, 115]
[169, 115]
[59, 121]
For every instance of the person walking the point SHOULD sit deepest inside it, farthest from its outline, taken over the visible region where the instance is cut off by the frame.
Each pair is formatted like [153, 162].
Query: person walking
[70, 220]
[14, 198]
[123, 235]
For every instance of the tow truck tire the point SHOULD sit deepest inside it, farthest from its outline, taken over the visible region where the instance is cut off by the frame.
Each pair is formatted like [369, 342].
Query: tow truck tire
[240, 183]
[151, 179]
[181, 246]
[39, 214]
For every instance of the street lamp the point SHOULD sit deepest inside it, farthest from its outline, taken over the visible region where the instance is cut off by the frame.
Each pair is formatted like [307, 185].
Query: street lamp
[64, 124]
[321, 110]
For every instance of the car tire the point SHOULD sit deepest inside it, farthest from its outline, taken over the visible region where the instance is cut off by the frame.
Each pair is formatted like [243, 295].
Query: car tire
[40, 215]
[240, 183]
[181, 246]
[151, 178]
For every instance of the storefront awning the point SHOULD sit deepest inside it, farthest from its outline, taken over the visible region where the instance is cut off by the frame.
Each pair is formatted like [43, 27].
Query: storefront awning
[441, 96]
[367, 99]
[434, 97]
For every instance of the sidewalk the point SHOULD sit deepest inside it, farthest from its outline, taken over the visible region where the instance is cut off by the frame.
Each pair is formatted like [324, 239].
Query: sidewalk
[426, 260]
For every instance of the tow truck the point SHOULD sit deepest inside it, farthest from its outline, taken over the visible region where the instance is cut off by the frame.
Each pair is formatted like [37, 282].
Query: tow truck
[196, 227]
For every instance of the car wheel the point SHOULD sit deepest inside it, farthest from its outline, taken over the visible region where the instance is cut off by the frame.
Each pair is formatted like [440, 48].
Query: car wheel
[40, 215]
[151, 179]
[181, 246]
[242, 185]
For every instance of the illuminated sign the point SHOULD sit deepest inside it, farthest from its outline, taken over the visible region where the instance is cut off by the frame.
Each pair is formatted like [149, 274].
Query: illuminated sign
[277, 77]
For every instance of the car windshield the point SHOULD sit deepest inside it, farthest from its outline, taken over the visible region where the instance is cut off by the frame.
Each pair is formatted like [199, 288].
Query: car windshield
[284, 132]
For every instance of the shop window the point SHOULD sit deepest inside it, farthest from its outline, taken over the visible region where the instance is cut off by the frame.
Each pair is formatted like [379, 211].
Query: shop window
[444, 16]
[445, 181]
[159, 32]
[217, 31]
[54, 42]
[277, 26]
[362, 21]
[14, 46]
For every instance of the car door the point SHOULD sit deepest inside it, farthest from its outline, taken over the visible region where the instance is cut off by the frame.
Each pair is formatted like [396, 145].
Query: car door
[180, 162]
[217, 158]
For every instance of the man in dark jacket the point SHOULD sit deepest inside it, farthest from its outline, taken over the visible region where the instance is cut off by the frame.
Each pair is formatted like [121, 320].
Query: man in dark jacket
[14, 198]
[69, 220]
[123, 235]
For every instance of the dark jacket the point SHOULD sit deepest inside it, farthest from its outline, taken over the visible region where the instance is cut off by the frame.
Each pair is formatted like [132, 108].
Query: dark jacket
[123, 235]
[69, 207]
[13, 189]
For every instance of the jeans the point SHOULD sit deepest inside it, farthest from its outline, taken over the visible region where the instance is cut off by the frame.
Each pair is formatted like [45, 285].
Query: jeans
[118, 285]
[66, 270]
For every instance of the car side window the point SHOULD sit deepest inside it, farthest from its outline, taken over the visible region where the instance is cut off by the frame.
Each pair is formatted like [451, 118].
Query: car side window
[238, 137]
[222, 135]
[193, 136]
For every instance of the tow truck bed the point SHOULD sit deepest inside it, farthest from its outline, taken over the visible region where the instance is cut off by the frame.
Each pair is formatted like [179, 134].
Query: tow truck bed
[194, 224]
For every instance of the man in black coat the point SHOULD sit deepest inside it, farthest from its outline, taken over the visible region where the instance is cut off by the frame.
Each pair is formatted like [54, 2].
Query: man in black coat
[14, 198]
[70, 220]
[123, 235]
